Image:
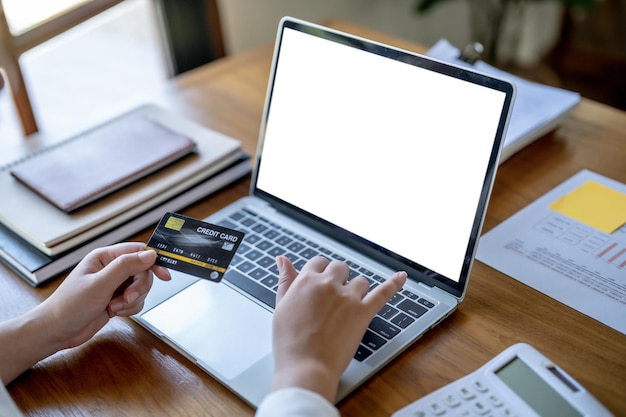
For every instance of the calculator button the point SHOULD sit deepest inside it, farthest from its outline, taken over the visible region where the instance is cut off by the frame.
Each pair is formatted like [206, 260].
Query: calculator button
[463, 413]
[436, 408]
[508, 413]
[451, 401]
[479, 386]
[480, 408]
[495, 401]
[465, 393]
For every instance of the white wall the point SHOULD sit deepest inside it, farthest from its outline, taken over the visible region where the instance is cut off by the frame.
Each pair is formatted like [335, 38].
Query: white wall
[249, 23]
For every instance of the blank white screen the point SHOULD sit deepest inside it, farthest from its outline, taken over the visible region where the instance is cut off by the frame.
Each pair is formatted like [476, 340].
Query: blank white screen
[391, 152]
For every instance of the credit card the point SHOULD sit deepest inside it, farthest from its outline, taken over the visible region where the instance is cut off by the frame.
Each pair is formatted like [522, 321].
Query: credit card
[194, 247]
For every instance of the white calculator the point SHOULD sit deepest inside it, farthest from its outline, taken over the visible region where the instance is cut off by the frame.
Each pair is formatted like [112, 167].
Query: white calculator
[519, 382]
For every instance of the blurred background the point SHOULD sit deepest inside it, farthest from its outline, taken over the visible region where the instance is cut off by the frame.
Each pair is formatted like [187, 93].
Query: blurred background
[78, 59]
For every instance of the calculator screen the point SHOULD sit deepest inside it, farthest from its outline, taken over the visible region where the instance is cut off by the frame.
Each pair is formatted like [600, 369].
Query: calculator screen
[537, 393]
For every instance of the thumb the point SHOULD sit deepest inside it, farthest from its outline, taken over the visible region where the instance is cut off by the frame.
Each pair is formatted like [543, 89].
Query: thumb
[286, 274]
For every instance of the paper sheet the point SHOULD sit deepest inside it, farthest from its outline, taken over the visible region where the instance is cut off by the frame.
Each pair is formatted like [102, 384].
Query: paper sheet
[537, 107]
[565, 255]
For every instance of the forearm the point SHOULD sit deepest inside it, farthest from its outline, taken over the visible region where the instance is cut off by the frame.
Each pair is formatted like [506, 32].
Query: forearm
[24, 341]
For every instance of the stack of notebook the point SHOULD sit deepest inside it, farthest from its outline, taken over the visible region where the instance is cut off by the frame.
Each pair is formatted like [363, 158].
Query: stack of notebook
[106, 184]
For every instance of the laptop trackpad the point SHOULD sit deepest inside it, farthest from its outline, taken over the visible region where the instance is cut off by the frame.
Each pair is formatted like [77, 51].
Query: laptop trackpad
[215, 325]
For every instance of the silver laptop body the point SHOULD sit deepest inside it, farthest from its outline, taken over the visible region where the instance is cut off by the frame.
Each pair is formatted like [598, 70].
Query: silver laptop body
[369, 154]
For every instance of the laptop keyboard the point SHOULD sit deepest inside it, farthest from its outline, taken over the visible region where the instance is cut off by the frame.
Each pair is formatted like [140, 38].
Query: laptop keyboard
[254, 270]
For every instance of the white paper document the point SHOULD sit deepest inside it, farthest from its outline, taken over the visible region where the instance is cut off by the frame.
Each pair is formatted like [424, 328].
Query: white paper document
[537, 109]
[570, 244]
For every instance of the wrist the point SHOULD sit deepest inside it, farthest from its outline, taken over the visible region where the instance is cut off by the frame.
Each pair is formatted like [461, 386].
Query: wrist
[309, 375]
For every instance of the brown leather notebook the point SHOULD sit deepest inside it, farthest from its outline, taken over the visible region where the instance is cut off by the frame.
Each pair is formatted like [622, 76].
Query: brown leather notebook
[102, 160]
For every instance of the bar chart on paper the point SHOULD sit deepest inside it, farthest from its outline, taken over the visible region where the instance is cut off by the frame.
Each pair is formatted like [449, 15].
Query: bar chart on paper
[608, 248]
[614, 253]
[579, 252]
[574, 250]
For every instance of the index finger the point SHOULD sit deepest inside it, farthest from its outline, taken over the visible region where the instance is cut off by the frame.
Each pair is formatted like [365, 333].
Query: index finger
[108, 253]
[383, 293]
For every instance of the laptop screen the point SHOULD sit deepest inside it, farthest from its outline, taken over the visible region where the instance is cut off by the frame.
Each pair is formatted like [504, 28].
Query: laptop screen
[385, 146]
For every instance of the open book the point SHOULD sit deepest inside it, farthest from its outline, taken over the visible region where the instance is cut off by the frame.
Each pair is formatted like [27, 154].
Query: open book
[53, 231]
[537, 110]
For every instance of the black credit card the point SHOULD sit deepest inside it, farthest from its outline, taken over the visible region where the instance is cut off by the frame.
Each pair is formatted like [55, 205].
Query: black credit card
[194, 247]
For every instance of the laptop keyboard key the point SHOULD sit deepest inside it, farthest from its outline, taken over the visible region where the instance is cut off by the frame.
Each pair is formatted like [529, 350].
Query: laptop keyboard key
[372, 340]
[425, 303]
[387, 330]
[362, 353]
[237, 216]
[246, 266]
[236, 260]
[248, 222]
[243, 248]
[353, 274]
[325, 251]
[271, 281]
[395, 299]
[387, 312]
[292, 257]
[402, 320]
[264, 245]
[275, 251]
[253, 288]
[296, 247]
[308, 253]
[378, 278]
[251, 238]
[254, 255]
[259, 228]
[409, 294]
[226, 223]
[283, 241]
[272, 234]
[366, 272]
[266, 262]
[412, 308]
[258, 273]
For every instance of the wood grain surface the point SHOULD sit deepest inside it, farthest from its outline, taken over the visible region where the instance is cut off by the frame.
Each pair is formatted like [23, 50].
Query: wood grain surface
[125, 371]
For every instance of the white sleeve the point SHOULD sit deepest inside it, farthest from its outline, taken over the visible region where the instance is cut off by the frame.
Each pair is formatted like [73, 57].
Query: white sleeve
[296, 402]
[7, 406]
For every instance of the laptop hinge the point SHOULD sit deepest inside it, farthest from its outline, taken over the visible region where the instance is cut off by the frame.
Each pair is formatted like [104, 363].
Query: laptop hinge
[443, 293]
[421, 284]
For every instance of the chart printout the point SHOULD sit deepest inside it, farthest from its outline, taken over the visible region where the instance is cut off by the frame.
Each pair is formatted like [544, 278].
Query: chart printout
[568, 258]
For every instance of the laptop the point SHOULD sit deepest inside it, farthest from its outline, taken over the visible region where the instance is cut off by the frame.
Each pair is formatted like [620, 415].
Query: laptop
[368, 154]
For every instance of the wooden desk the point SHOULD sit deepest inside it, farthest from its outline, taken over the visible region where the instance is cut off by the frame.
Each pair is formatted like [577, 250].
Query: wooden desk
[127, 371]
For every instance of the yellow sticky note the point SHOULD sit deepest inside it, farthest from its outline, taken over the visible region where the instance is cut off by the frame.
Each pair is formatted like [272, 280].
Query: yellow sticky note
[595, 205]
